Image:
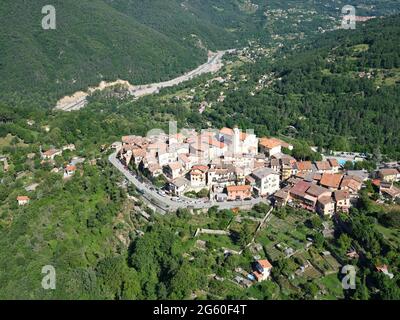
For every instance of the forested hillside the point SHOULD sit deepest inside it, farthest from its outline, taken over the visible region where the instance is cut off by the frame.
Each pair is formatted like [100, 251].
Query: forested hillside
[340, 91]
[138, 41]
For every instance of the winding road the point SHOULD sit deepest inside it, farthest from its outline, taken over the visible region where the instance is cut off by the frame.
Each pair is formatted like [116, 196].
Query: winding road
[166, 204]
[79, 99]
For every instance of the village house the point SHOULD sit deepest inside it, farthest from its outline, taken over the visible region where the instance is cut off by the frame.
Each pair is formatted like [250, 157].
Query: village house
[51, 154]
[331, 181]
[302, 167]
[69, 171]
[138, 155]
[389, 191]
[198, 176]
[352, 184]
[323, 167]
[267, 181]
[23, 200]
[262, 270]
[154, 169]
[342, 201]
[239, 192]
[335, 166]
[326, 206]
[71, 147]
[221, 175]
[178, 186]
[173, 170]
[270, 146]
[388, 175]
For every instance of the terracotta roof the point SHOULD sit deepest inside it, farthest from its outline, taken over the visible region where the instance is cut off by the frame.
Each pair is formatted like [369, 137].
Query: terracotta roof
[323, 165]
[325, 200]
[51, 152]
[139, 152]
[316, 191]
[376, 182]
[200, 167]
[23, 198]
[393, 191]
[70, 168]
[284, 144]
[341, 195]
[331, 180]
[300, 188]
[184, 158]
[281, 194]
[304, 165]
[243, 188]
[154, 167]
[226, 131]
[333, 162]
[265, 264]
[269, 143]
[388, 172]
[175, 165]
[351, 183]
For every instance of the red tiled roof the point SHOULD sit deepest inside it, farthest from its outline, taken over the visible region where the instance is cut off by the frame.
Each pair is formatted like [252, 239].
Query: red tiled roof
[323, 165]
[331, 180]
[341, 195]
[333, 162]
[304, 165]
[269, 143]
[23, 198]
[243, 188]
[388, 172]
[265, 264]
[300, 188]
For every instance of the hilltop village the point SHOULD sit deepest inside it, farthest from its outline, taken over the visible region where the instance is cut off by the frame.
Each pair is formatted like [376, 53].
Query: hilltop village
[231, 165]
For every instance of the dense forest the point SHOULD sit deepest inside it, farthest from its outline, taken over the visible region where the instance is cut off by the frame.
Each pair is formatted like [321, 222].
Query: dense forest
[339, 92]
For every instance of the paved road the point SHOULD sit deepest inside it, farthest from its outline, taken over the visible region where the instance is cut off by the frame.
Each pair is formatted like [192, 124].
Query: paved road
[166, 204]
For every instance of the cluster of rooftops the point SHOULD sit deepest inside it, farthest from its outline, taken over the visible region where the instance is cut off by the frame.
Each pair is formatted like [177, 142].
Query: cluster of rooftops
[234, 165]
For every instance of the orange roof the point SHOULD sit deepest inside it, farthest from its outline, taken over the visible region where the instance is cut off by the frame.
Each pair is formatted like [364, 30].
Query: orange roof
[215, 143]
[243, 188]
[281, 142]
[265, 264]
[304, 165]
[331, 180]
[200, 167]
[22, 198]
[323, 165]
[333, 162]
[51, 152]
[175, 165]
[269, 143]
[71, 168]
[388, 172]
[139, 152]
[227, 131]
[341, 195]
